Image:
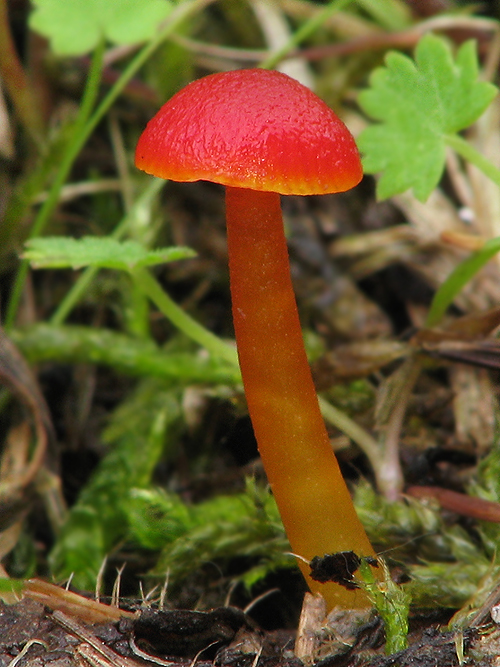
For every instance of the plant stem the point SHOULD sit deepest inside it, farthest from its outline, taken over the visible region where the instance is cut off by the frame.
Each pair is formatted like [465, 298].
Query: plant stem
[390, 480]
[178, 15]
[469, 153]
[458, 278]
[136, 357]
[306, 29]
[391, 15]
[88, 101]
[392, 603]
[86, 278]
[148, 284]
[354, 431]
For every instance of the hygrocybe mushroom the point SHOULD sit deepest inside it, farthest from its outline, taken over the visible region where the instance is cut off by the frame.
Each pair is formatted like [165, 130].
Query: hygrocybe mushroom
[262, 135]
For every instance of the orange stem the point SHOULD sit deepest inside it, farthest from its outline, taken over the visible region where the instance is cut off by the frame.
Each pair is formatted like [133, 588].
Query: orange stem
[312, 497]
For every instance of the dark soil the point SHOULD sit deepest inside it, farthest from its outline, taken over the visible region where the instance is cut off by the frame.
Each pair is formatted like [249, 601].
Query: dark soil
[32, 634]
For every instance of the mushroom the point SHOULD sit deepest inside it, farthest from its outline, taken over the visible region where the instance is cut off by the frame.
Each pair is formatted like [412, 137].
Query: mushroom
[262, 134]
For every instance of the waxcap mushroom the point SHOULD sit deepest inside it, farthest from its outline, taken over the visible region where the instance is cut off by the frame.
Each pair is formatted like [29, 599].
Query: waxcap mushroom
[263, 134]
[254, 129]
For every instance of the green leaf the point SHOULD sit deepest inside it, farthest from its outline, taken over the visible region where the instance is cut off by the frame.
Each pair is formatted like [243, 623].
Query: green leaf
[417, 103]
[75, 27]
[458, 278]
[105, 252]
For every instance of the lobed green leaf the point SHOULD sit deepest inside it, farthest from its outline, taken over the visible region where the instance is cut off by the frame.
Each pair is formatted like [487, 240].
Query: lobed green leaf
[76, 27]
[417, 103]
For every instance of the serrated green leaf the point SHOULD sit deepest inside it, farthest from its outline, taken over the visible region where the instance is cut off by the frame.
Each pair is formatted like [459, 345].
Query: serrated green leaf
[59, 252]
[418, 103]
[76, 27]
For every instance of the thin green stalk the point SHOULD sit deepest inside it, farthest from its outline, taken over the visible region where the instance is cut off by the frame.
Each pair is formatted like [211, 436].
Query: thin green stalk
[392, 603]
[129, 355]
[307, 29]
[148, 284]
[458, 278]
[180, 14]
[391, 15]
[88, 101]
[86, 278]
[356, 433]
[469, 153]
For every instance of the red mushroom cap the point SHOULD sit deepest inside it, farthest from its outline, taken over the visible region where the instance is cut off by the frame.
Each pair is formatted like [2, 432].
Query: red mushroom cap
[252, 129]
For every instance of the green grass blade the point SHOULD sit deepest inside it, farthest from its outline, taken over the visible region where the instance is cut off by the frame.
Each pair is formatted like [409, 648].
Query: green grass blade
[458, 278]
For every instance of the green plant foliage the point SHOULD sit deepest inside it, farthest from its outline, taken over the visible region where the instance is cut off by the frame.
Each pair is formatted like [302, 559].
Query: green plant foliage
[486, 485]
[451, 578]
[76, 27]
[23, 558]
[139, 433]
[391, 601]
[444, 562]
[58, 252]
[479, 596]
[458, 278]
[84, 541]
[217, 530]
[390, 14]
[417, 104]
[9, 586]
[393, 525]
[125, 354]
